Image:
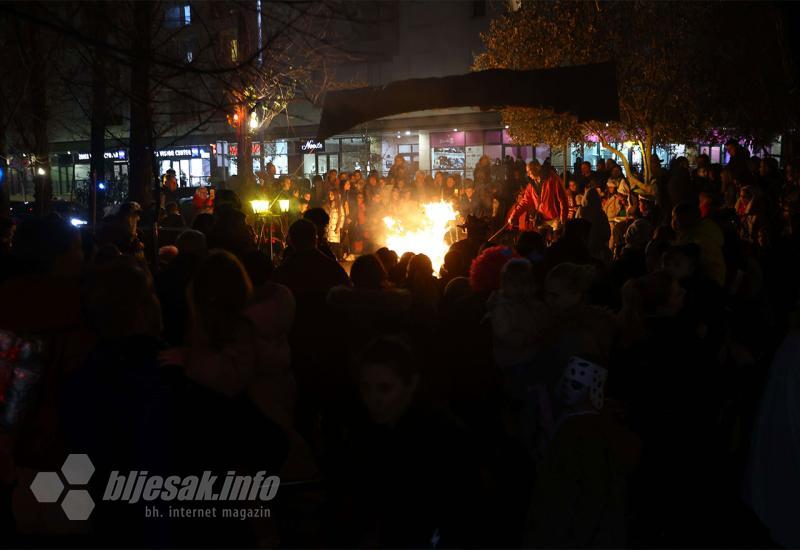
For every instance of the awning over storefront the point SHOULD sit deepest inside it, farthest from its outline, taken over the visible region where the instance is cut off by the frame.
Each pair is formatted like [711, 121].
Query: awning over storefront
[562, 90]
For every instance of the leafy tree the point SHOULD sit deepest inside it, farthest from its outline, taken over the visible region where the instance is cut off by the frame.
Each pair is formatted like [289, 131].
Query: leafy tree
[670, 58]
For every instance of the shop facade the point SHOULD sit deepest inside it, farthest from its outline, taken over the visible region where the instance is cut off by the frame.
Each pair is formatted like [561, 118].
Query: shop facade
[192, 163]
[449, 150]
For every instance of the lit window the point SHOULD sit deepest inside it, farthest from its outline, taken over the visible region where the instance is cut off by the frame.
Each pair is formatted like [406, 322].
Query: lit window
[177, 15]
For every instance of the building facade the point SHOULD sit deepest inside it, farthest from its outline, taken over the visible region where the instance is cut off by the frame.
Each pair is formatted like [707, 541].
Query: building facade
[392, 40]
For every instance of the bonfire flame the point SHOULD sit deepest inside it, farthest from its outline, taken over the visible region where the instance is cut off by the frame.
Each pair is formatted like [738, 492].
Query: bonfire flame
[421, 232]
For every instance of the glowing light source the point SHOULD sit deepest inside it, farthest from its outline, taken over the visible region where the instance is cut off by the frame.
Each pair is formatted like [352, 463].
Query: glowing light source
[421, 232]
[41, 171]
[76, 222]
[253, 121]
[284, 205]
[506, 126]
[259, 206]
[408, 132]
[101, 186]
[455, 129]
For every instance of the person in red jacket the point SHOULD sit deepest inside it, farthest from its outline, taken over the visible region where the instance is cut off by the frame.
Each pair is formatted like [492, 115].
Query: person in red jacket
[544, 197]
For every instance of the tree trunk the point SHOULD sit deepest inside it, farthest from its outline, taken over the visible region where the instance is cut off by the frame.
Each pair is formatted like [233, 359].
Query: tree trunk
[141, 152]
[42, 183]
[5, 177]
[625, 164]
[262, 157]
[99, 110]
[244, 154]
[647, 156]
[244, 158]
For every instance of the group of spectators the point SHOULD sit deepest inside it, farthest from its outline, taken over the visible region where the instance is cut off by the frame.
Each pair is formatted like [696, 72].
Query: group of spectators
[573, 388]
[357, 203]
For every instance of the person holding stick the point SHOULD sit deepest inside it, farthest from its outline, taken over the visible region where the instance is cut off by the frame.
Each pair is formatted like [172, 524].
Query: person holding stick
[544, 201]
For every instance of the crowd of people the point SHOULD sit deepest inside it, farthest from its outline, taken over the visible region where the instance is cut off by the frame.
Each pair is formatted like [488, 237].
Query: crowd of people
[617, 368]
[357, 203]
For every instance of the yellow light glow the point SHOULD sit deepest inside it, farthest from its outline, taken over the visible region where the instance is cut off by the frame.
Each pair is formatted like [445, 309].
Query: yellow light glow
[253, 121]
[259, 206]
[284, 205]
[421, 232]
[41, 171]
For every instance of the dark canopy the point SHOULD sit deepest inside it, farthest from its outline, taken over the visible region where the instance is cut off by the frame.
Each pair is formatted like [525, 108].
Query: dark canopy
[587, 91]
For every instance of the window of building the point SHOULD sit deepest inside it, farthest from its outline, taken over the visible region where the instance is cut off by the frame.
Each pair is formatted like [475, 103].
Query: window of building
[177, 16]
[410, 153]
[448, 152]
[473, 155]
[234, 50]
[276, 153]
[355, 154]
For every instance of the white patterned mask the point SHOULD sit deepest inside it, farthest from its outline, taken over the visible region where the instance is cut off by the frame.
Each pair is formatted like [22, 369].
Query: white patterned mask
[580, 378]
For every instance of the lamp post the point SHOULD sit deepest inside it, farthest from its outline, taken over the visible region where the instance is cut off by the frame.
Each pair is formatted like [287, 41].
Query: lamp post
[263, 210]
[260, 208]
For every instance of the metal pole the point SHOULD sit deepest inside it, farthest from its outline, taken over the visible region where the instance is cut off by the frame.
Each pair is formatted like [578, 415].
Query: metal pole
[271, 259]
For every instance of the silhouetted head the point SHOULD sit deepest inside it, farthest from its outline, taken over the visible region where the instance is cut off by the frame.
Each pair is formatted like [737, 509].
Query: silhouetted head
[368, 272]
[303, 235]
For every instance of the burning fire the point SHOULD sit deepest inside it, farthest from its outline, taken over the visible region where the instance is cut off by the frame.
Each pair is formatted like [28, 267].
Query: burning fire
[422, 232]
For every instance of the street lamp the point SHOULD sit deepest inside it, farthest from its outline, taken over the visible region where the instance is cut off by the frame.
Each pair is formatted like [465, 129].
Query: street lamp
[263, 209]
[41, 171]
[259, 206]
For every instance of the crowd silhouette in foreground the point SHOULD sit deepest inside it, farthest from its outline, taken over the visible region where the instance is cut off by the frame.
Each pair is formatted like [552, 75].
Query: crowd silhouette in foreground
[623, 371]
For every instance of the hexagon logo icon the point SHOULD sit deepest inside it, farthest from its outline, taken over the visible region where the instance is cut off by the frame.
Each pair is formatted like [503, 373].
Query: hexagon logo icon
[77, 469]
[47, 487]
[78, 504]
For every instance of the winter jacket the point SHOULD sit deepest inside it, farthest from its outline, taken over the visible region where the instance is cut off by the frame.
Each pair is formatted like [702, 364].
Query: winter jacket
[550, 201]
[257, 362]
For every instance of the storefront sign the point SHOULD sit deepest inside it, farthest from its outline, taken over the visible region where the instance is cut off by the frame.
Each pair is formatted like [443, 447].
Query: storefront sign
[310, 146]
[109, 155]
[184, 152]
